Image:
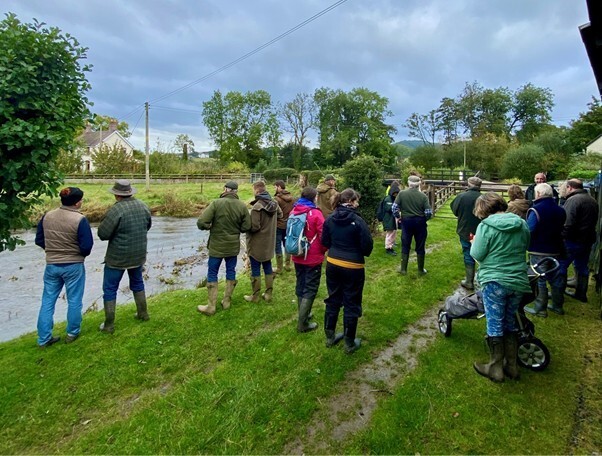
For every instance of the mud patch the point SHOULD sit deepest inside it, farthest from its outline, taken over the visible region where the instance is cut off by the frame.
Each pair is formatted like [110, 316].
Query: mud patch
[350, 411]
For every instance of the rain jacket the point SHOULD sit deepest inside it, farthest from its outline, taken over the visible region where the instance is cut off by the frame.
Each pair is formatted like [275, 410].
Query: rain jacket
[285, 200]
[225, 218]
[261, 238]
[313, 230]
[325, 193]
[500, 246]
[347, 236]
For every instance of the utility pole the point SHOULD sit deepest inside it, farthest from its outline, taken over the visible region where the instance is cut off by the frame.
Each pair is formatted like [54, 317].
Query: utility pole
[147, 150]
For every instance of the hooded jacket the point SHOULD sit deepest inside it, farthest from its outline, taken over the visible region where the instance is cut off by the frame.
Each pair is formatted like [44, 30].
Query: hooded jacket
[347, 236]
[313, 230]
[389, 222]
[285, 200]
[261, 238]
[325, 193]
[500, 246]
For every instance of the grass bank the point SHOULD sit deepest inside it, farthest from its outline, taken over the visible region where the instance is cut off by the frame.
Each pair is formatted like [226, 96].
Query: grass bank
[244, 382]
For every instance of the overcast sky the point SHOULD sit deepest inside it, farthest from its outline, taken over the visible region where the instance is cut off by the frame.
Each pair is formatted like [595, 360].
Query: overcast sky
[414, 52]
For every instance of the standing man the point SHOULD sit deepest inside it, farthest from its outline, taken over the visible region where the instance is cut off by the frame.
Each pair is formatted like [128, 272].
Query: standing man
[540, 178]
[261, 239]
[285, 200]
[125, 226]
[412, 206]
[225, 218]
[546, 221]
[66, 237]
[462, 207]
[388, 219]
[326, 191]
[579, 235]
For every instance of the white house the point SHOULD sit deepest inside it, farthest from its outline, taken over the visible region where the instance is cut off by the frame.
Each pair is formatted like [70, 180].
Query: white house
[93, 140]
[595, 146]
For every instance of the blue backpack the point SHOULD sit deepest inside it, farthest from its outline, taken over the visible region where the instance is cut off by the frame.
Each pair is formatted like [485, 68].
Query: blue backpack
[296, 242]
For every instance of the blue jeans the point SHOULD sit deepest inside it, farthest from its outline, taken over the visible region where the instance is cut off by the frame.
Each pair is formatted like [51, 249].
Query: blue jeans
[500, 305]
[280, 237]
[578, 254]
[214, 264]
[256, 267]
[468, 260]
[112, 277]
[73, 277]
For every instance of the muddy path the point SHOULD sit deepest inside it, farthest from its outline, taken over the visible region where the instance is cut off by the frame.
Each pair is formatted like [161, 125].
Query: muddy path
[351, 410]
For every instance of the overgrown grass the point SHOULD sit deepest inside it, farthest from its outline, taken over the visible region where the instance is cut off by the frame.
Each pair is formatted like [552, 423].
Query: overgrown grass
[244, 382]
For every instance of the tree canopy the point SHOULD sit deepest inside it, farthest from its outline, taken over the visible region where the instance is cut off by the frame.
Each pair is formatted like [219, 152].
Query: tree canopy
[42, 108]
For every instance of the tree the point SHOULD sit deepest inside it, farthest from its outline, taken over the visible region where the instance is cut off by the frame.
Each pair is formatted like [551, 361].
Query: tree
[524, 162]
[42, 108]
[424, 127]
[427, 157]
[240, 124]
[69, 161]
[113, 160]
[99, 122]
[300, 116]
[587, 127]
[184, 145]
[364, 175]
[531, 111]
[353, 124]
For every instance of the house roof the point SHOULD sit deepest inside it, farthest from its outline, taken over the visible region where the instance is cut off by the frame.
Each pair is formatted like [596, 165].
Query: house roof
[593, 140]
[591, 34]
[94, 138]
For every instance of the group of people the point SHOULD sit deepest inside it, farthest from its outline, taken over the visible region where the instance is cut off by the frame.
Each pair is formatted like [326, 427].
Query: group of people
[65, 235]
[331, 225]
[498, 235]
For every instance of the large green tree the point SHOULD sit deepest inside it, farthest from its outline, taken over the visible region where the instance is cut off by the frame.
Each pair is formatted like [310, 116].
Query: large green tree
[353, 124]
[241, 124]
[587, 127]
[42, 108]
[100, 122]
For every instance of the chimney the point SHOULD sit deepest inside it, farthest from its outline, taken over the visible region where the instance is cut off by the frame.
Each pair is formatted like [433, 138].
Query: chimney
[112, 126]
[88, 128]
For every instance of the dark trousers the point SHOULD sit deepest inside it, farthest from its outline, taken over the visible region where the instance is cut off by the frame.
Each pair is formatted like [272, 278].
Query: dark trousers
[308, 280]
[345, 289]
[413, 227]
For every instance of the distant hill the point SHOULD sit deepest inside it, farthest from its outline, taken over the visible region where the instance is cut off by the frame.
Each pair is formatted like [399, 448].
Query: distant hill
[411, 143]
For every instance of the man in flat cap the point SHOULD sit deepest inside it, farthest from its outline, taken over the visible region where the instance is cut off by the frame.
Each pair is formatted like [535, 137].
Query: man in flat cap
[326, 191]
[225, 218]
[66, 237]
[462, 207]
[125, 226]
[412, 206]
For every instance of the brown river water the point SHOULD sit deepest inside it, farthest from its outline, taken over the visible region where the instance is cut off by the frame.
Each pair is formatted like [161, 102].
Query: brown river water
[177, 259]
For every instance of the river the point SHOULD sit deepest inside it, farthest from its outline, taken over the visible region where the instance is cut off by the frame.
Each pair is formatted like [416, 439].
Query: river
[177, 258]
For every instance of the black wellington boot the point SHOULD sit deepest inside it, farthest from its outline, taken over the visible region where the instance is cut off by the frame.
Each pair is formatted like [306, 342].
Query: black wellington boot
[351, 343]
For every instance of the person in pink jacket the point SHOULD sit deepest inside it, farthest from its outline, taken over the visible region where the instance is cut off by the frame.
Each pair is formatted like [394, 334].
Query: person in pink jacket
[309, 269]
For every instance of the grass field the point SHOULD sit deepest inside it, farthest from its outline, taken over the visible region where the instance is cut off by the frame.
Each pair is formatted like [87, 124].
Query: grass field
[245, 382]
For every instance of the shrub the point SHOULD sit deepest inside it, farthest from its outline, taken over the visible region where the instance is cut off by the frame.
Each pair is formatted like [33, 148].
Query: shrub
[524, 162]
[365, 176]
[271, 175]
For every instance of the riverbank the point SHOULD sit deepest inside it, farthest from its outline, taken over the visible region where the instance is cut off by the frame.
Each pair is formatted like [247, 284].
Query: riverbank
[245, 382]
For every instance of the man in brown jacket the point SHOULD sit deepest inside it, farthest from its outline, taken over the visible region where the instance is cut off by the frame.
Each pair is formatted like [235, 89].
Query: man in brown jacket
[326, 191]
[261, 241]
[285, 200]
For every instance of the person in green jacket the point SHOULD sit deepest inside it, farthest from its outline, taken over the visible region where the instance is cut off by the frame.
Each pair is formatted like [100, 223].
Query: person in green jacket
[225, 218]
[500, 246]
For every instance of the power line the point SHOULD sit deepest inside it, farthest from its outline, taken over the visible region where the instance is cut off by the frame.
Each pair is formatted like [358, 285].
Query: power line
[253, 52]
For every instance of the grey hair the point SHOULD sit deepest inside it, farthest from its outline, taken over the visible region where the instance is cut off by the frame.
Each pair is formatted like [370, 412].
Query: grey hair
[543, 190]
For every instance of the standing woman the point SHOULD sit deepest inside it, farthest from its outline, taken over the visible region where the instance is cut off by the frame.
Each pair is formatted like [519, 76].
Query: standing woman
[308, 269]
[348, 239]
[500, 246]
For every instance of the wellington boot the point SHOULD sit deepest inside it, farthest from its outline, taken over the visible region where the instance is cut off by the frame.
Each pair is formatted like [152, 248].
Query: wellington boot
[256, 287]
[209, 309]
[405, 257]
[511, 369]
[279, 265]
[420, 260]
[287, 262]
[303, 324]
[352, 344]
[330, 326]
[540, 305]
[572, 282]
[493, 370]
[580, 293]
[230, 285]
[109, 324]
[468, 282]
[141, 310]
[269, 287]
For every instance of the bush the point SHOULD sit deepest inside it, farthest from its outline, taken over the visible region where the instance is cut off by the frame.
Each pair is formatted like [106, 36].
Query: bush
[313, 177]
[365, 176]
[271, 175]
[524, 162]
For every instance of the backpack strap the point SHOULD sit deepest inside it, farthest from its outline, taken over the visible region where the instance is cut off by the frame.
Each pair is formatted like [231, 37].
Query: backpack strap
[532, 209]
